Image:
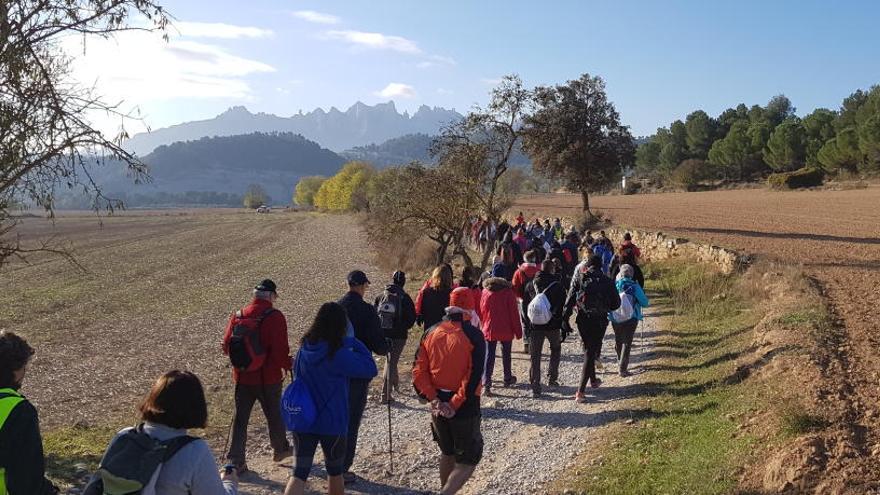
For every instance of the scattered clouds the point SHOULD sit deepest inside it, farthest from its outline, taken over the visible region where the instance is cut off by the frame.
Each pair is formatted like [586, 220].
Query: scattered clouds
[436, 61]
[316, 17]
[218, 30]
[376, 41]
[137, 66]
[397, 90]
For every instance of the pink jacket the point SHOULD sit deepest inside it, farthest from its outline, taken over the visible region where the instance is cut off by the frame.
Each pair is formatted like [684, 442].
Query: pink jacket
[498, 311]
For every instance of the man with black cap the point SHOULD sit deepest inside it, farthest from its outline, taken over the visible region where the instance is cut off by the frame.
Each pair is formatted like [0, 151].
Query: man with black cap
[397, 314]
[261, 379]
[367, 329]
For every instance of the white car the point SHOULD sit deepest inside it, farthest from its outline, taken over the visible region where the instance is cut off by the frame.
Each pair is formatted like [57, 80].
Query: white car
[264, 209]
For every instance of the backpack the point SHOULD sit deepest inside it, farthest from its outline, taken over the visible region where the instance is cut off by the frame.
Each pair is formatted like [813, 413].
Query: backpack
[589, 297]
[626, 311]
[566, 253]
[389, 310]
[132, 463]
[539, 311]
[246, 350]
[298, 408]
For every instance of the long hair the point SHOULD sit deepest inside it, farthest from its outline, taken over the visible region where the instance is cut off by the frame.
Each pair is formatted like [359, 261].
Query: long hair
[329, 326]
[507, 255]
[441, 278]
[469, 277]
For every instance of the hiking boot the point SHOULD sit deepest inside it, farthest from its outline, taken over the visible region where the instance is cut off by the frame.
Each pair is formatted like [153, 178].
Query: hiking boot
[580, 398]
[554, 383]
[595, 382]
[284, 454]
[509, 382]
[348, 477]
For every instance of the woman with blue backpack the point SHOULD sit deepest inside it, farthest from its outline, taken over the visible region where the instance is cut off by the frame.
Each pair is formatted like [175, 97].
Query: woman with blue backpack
[326, 360]
[626, 318]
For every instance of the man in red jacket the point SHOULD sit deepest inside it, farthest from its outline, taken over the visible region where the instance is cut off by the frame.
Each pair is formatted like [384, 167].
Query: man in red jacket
[264, 383]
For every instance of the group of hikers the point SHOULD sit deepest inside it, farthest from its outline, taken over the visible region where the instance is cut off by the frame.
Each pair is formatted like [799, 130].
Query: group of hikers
[536, 282]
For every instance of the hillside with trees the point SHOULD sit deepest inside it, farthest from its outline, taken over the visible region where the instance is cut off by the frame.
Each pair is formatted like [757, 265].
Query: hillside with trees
[748, 143]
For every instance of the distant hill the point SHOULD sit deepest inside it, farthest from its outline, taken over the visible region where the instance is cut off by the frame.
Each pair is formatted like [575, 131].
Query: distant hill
[226, 165]
[396, 151]
[360, 125]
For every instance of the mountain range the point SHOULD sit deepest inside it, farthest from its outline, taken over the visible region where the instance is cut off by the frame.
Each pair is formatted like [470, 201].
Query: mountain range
[360, 125]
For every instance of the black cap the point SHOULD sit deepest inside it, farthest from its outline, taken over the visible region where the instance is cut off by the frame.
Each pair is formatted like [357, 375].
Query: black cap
[267, 286]
[357, 277]
[399, 278]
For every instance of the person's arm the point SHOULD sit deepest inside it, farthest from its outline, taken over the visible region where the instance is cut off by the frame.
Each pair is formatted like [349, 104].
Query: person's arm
[25, 472]
[517, 281]
[228, 335]
[206, 476]
[279, 347]
[419, 297]
[474, 375]
[513, 307]
[640, 296]
[354, 360]
[421, 373]
[571, 298]
[408, 318]
[611, 295]
[374, 337]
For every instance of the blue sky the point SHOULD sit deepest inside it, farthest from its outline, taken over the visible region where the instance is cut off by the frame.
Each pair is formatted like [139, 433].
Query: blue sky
[660, 60]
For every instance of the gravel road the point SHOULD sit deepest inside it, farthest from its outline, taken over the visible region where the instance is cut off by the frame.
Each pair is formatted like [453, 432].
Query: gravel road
[528, 441]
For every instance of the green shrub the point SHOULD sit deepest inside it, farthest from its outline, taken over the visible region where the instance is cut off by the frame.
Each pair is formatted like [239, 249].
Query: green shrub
[688, 174]
[804, 177]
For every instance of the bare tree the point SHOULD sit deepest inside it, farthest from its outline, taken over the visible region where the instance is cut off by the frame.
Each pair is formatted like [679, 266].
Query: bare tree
[46, 139]
[482, 144]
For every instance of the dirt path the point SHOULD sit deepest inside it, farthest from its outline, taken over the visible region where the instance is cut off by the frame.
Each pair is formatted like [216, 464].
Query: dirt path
[528, 441]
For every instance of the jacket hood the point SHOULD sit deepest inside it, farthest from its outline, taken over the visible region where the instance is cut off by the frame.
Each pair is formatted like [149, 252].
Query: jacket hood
[544, 279]
[624, 283]
[311, 354]
[496, 284]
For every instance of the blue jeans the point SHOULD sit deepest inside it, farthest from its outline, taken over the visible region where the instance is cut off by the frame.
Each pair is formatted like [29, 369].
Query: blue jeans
[307, 443]
[506, 347]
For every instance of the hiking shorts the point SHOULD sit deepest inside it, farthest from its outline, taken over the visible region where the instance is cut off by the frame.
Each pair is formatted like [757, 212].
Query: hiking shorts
[459, 437]
[305, 445]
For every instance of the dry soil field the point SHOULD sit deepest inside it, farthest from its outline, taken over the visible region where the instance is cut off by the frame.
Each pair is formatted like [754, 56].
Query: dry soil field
[834, 235]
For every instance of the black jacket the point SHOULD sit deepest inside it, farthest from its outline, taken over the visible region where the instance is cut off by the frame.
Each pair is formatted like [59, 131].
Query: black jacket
[433, 308]
[599, 290]
[407, 313]
[365, 321]
[555, 294]
[638, 276]
[21, 453]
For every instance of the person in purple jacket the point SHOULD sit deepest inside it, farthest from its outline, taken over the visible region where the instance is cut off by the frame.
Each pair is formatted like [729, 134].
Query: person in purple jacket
[326, 361]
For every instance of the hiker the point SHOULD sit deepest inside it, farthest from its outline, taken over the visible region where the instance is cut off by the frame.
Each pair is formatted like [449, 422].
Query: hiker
[508, 243]
[594, 295]
[327, 362]
[501, 231]
[501, 323]
[569, 253]
[548, 283]
[367, 328]
[520, 220]
[506, 266]
[175, 404]
[258, 381]
[447, 373]
[588, 240]
[524, 274]
[522, 241]
[625, 329]
[558, 230]
[397, 314]
[602, 248]
[470, 279]
[22, 465]
[627, 258]
[628, 244]
[434, 297]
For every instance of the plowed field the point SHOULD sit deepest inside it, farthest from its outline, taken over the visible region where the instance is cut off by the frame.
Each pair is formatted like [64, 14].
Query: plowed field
[834, 235]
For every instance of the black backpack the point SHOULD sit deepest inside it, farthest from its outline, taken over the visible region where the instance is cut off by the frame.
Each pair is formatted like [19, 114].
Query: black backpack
[132, 463]
[591, 297]
[246, 350]
[389, 308]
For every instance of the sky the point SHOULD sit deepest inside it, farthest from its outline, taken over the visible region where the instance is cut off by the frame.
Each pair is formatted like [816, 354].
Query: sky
[660, 59]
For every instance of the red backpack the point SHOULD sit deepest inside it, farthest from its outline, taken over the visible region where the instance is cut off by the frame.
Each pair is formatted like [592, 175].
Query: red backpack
[246, 350]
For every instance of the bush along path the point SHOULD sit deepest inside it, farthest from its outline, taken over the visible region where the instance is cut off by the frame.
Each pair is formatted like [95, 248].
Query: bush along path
[529, 442]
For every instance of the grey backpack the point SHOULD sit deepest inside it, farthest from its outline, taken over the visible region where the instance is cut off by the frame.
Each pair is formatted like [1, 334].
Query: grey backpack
[132, 463]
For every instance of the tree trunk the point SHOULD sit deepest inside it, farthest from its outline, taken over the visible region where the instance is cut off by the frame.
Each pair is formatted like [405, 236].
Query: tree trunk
[585, 198]
[490, 247]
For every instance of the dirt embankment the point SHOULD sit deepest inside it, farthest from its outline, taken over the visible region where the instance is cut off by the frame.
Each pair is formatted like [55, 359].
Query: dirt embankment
[834, 236]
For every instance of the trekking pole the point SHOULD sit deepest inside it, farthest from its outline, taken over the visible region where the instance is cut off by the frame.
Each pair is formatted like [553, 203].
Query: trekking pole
[388, 390]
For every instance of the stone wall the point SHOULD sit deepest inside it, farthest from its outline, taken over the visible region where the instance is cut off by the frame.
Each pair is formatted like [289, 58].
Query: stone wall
[659, 246]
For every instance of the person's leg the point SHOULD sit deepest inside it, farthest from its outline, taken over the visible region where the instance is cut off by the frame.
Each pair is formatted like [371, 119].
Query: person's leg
[295, 486]
[537, 347]
[357, 401]
[490, 363]
[618, 338]
[270, 400]
[244, 404]
[555, 340]
[628, 332]
[447, 464]
[334, 459]
[582, 331]
[460, 474]
[468, 452]
[397, 348]
[390, 377]
[507, 361]
[306, 444]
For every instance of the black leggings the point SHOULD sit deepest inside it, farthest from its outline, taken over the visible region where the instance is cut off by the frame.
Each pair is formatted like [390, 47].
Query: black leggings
[591, 327]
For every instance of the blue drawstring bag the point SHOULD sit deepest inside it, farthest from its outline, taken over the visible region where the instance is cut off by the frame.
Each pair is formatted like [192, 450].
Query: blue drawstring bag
[298, 406]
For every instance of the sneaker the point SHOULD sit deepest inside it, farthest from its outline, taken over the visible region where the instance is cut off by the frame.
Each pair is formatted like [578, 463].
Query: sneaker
[595, 382]
[554, 383]
[511, 382]
[348, 477]
[580, 398]
[284, 454]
